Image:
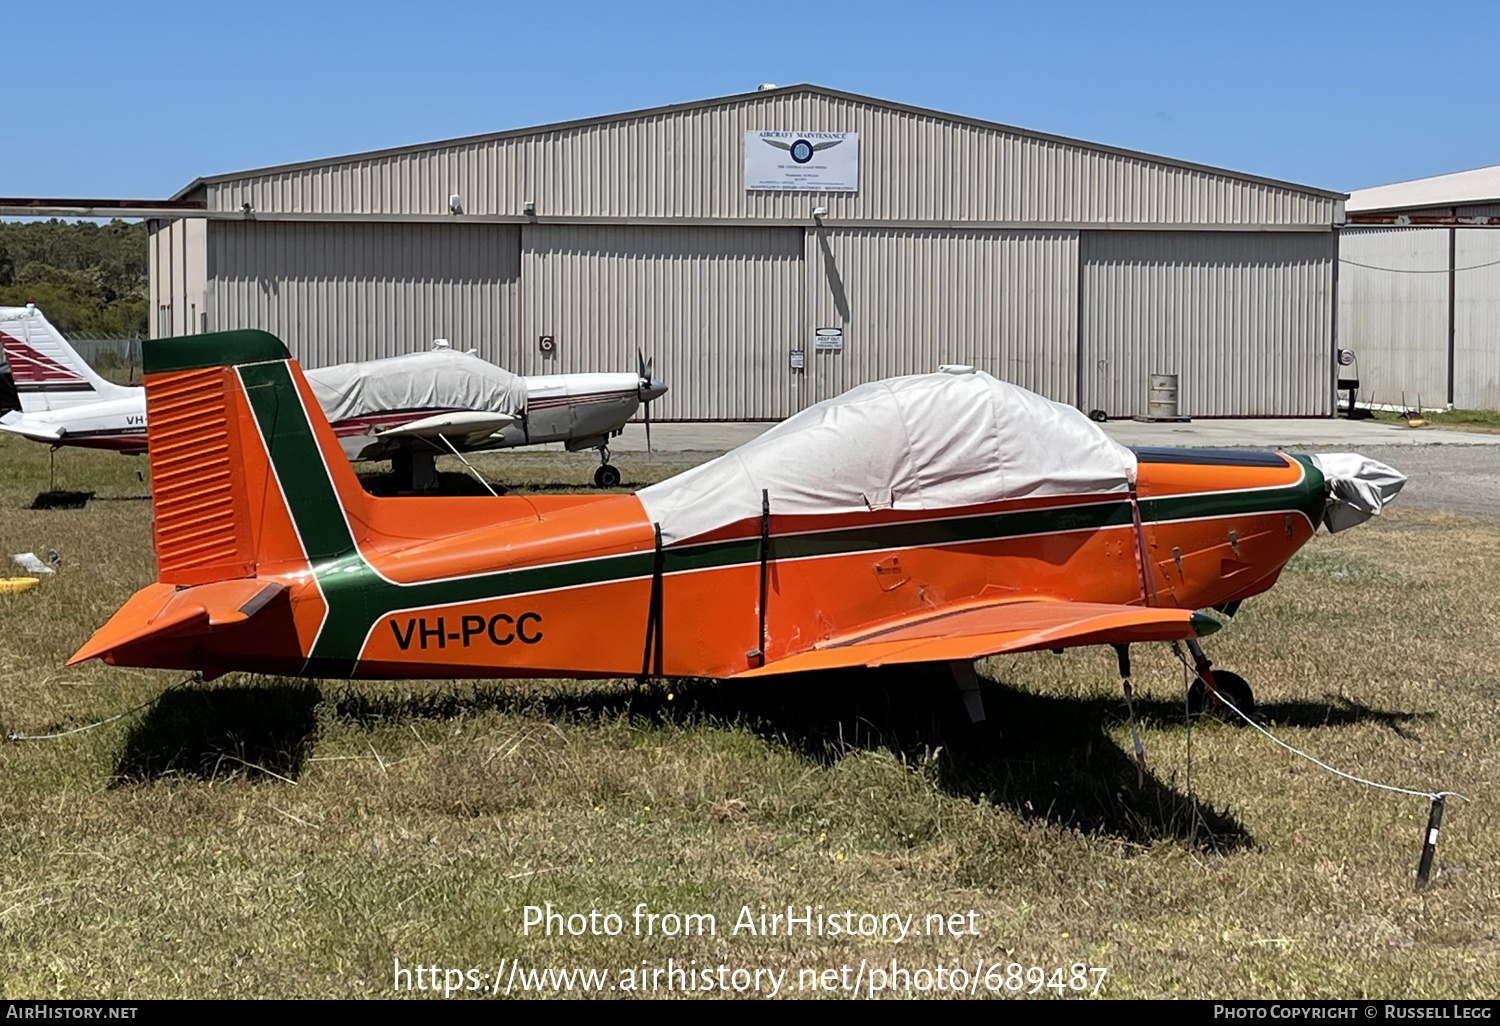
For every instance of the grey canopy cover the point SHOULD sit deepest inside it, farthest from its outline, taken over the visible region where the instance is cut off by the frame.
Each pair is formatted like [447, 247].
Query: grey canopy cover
[925, 442]
[442, 379]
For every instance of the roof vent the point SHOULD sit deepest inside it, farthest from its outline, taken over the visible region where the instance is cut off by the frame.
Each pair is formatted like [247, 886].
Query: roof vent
[764, 86]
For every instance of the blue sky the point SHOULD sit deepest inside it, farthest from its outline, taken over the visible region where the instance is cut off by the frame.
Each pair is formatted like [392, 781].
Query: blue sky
[135, 100]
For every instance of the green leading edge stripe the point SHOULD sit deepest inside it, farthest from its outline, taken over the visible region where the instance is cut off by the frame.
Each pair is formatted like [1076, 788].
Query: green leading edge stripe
[358, 597]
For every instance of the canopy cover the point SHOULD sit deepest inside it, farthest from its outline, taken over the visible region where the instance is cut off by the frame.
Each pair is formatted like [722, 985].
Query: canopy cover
[442, 379]
[929, 441]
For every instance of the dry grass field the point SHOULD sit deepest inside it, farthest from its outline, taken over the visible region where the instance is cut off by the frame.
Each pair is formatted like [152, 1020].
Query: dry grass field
[282, 838]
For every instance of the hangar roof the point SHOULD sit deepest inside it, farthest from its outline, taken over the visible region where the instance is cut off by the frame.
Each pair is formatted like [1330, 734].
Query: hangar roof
[647, 112]
[1461, 188]
[669, 162]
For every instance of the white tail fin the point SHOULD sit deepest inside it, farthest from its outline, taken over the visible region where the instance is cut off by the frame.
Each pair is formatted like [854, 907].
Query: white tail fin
[48, 373]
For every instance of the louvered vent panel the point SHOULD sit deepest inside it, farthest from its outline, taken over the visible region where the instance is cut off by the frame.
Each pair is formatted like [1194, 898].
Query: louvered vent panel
[194, 473]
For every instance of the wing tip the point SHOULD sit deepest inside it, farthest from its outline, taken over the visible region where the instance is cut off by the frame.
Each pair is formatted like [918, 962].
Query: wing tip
[1203, 624]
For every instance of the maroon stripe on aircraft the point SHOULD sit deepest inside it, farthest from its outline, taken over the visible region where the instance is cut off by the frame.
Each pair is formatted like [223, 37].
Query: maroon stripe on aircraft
[30, 367]
[567, 400]
[126, 440]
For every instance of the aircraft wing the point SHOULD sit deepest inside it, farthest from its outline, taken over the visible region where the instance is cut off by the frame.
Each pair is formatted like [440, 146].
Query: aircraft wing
[975, 631]
[459, 423]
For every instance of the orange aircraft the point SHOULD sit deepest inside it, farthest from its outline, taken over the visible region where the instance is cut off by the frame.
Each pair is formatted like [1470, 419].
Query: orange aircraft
[933, 518]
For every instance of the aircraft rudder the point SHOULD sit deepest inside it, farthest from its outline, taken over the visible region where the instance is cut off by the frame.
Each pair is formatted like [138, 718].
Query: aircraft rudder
[245, 469]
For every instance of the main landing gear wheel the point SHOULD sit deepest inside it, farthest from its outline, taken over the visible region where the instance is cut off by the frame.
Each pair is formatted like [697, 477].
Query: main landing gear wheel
[606, 476]
[1232, 686]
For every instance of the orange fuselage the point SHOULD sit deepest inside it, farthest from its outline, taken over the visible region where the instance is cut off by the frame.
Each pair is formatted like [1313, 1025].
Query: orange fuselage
[344, 584]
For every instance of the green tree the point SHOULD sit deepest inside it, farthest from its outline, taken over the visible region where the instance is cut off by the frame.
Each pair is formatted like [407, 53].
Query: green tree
[89, 279]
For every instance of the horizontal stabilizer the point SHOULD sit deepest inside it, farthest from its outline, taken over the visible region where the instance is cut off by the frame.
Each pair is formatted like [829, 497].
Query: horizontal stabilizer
[974, 631]
[162, 611]
[30, 427]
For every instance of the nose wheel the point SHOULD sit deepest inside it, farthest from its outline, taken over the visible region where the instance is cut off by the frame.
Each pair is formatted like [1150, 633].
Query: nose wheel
[606, 476]
[1232, 686]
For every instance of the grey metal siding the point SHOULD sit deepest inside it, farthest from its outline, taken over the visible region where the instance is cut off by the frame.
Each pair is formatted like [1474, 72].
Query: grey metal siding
[159, 265]
[717, 308]
[1476, 323]
[1245, 321]
[910, 300]
[177, 262]
[689, 163]
[1393, 311]
[335, 293]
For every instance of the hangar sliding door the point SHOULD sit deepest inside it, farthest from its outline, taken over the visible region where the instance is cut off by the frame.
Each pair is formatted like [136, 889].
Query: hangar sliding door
[1244, 319]
[909, 300]
[338, 292]
[1476, 320]
[717, 307]
[1393, 311]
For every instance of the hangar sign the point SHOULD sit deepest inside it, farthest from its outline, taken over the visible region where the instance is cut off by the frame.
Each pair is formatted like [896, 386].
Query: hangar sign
[802, 161]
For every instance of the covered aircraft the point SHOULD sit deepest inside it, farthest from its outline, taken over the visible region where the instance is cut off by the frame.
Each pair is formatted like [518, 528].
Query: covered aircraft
[407, 409]
[934, 518]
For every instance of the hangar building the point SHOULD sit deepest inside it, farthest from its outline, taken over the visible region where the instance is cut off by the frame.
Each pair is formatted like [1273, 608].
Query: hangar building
[1419, 290]
[774, 248]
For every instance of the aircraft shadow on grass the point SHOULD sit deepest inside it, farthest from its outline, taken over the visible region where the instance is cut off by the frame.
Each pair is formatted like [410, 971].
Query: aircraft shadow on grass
[1047, 758]
[266, 730]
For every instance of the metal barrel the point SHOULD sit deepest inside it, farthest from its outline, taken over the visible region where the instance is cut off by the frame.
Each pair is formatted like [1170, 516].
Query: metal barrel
[1161, 396]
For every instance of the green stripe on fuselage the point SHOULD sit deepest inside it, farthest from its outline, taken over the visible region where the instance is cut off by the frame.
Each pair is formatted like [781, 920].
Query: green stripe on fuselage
[1307, 496]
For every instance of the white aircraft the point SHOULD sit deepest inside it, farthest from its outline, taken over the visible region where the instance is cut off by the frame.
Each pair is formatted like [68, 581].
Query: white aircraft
[62, 401]
[407, 409]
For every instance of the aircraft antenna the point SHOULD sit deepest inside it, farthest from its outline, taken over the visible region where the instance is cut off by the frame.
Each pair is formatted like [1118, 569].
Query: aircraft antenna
[653, 612]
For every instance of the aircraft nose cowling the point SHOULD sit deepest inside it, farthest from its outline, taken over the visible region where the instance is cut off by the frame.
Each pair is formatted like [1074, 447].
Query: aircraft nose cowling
[1358, 488]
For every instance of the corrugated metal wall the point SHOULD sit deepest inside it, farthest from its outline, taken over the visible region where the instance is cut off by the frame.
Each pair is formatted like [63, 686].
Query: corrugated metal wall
[690, 163]
[179, 277]
[335, 293]
[910, 300]
[1476, 323]
[1245, 321]
[717, 308]
[960, 245]
[1393, 311]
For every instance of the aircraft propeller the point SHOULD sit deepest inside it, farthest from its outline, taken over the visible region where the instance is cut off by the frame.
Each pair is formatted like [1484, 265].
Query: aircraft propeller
[650, 388]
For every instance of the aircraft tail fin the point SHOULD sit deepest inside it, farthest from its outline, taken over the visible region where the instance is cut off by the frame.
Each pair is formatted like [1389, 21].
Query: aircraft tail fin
[47, 371]
[245, 470]
[249, 490]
